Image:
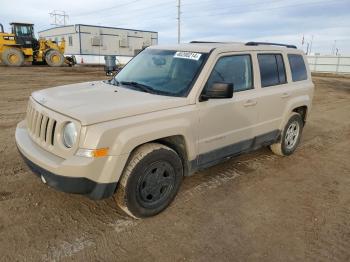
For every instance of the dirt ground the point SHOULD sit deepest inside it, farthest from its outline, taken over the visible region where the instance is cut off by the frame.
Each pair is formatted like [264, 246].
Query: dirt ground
[257, 207]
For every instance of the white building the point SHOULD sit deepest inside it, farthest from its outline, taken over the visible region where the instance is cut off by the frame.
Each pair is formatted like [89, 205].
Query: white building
[91, 43]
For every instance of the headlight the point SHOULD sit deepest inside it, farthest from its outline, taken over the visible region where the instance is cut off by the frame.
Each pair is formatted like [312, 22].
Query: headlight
[9, 38]
[69, 134]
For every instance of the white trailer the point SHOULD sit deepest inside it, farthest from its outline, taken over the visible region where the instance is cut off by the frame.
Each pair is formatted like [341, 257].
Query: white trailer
[90, 43]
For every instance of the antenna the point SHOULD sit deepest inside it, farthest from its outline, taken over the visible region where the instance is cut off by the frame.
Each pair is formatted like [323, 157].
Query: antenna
[58, 18]
[312, 40]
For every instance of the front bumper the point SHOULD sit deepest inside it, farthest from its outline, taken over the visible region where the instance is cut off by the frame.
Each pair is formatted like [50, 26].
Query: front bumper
[77, 175]
[76, 185]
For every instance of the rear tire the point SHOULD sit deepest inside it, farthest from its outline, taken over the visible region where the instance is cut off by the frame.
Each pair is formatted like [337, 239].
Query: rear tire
[54, 58]
[150, 181]
[12, 57]
[290, 136]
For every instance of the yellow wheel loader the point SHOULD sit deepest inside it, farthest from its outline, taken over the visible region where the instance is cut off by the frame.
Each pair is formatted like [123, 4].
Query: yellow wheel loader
[21, 46]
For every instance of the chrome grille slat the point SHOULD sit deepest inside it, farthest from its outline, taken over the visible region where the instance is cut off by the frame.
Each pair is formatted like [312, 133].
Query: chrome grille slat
[36, 113]
[49, 131]
[30, 117]
[41, 127]
[53, 133]
[37, 125]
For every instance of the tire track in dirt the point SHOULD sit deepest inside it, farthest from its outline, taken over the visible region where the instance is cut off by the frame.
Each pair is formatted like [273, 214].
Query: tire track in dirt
[332, 243]
[67, 249]
[231, 170]
[4, 195]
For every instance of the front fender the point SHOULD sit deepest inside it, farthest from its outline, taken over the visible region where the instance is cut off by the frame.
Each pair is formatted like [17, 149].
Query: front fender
[121, 136]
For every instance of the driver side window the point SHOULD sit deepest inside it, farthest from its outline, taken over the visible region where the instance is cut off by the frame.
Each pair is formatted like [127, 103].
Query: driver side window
[236, 70]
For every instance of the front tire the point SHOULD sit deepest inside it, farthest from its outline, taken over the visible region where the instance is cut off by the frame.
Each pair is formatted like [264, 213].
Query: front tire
[12, 57]
[54, 58]
[150, 181]
[290, 137]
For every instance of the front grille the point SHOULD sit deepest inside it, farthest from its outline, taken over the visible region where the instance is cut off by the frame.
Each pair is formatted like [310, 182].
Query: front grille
[41, 126]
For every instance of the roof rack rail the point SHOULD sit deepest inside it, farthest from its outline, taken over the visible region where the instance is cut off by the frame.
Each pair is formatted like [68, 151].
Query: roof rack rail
[204, 42]
[266, 43]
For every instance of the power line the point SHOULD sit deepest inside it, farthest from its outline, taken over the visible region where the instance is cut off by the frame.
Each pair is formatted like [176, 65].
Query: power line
[217, 14]
[106, 9]
[263, 9]
[237, 5]
[127, 14]
[229, 12]
[152, 7]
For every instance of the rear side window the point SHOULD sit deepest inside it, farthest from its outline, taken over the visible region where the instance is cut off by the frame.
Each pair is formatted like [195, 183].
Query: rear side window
[235, 69]
[298, 68]
[272, 70]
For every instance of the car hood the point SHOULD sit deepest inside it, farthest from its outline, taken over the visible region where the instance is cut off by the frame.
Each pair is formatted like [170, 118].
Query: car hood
[95, 102]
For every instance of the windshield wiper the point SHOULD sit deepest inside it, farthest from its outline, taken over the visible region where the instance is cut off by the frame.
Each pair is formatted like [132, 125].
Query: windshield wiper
[142, 87]
[111, 82]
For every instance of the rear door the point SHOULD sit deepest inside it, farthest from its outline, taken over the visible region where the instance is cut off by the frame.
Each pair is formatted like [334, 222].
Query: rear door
[274, 93]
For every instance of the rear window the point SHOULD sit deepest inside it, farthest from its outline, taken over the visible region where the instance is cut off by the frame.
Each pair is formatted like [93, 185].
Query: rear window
[272, 70]
[298, 68]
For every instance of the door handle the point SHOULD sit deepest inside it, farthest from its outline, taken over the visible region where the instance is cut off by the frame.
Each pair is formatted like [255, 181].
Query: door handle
[285, 95]
[250, 102]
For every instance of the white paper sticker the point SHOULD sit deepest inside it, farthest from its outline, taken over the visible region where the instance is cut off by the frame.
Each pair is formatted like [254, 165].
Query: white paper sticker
[188, 55]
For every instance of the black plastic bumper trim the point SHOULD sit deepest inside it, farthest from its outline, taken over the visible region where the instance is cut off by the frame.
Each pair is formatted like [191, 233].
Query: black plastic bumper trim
[75, 185]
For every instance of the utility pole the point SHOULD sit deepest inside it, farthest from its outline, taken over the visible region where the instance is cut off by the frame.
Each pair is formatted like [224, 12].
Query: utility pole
[178, 21]
[59, 18]
[334, 47]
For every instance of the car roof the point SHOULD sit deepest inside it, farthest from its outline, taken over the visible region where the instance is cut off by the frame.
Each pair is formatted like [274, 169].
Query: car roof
[20, 23]
[206, 47]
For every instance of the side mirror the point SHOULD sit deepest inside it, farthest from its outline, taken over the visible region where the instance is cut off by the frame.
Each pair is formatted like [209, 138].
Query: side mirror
[218, 91]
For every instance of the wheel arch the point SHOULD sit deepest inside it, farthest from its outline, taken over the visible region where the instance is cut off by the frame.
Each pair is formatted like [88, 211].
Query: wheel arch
[45, 52]
[299, 105]
[303, 111]
[176, 143]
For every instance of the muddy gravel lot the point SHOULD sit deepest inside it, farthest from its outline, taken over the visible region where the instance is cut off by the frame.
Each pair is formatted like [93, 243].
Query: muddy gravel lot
[257, 207]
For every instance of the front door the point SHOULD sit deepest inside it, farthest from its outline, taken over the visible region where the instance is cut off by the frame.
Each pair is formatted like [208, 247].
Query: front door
[227, 126]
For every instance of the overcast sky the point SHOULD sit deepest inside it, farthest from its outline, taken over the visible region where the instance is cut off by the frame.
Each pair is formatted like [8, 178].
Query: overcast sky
[283, 21]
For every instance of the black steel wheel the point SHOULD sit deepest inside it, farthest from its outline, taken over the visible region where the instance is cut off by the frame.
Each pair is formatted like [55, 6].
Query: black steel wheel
[150, 181]
[155, 186]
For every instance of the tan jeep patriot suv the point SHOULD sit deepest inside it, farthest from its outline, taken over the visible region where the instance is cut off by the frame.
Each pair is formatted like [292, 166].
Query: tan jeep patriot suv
[171, 111]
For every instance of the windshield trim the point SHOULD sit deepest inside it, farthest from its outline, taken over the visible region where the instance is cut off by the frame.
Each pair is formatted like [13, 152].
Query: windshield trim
[195, 78]
[191, 84]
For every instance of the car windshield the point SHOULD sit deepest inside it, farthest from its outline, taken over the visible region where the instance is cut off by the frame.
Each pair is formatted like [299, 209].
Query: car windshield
[162, 72]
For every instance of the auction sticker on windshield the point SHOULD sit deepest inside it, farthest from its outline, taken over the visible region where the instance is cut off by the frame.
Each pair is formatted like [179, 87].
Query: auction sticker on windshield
[188, 55]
